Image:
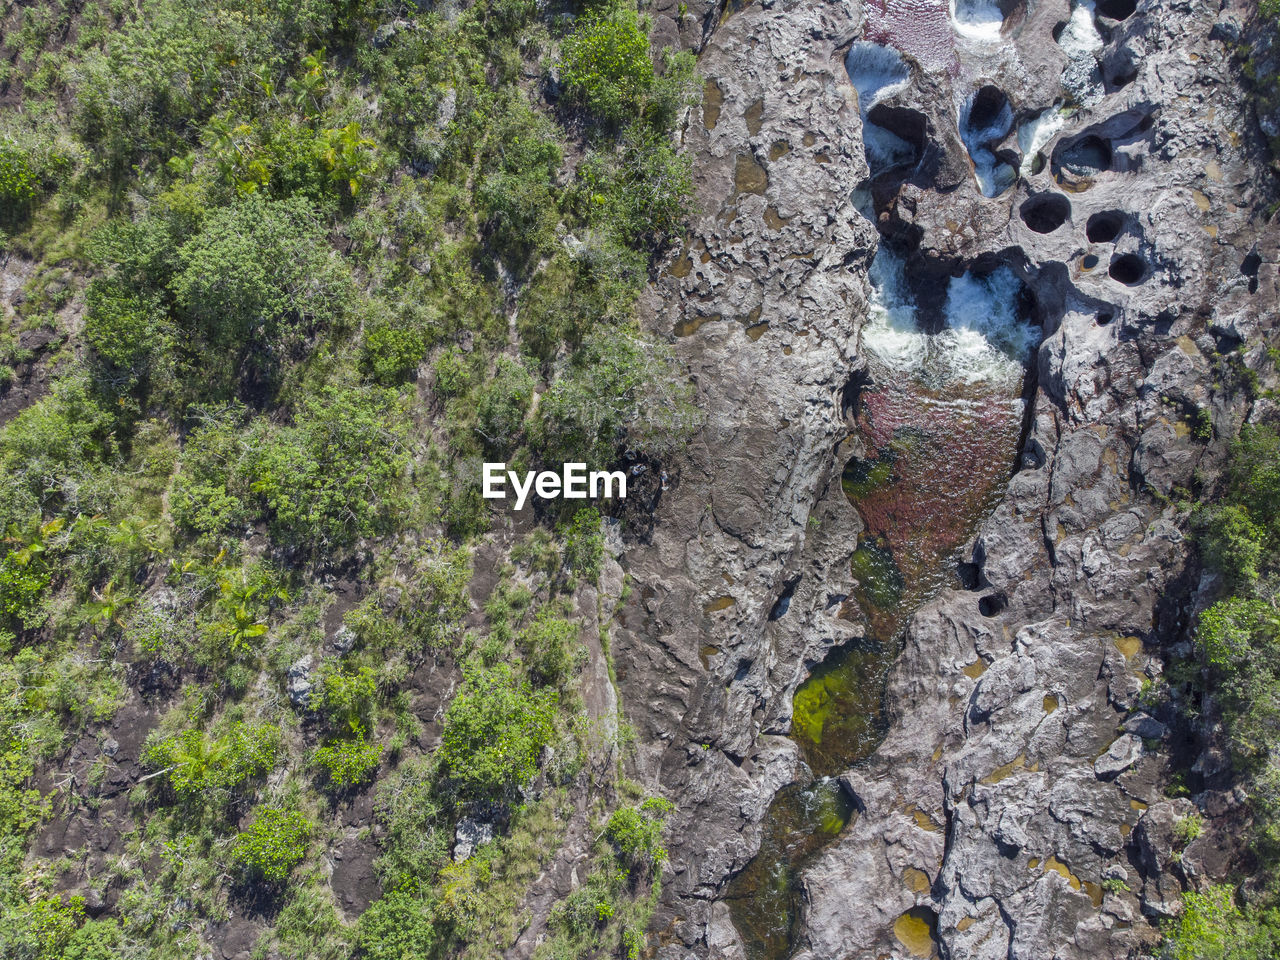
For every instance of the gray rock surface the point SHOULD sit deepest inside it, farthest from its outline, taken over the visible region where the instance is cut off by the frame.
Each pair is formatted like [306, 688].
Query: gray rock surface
[1131, 225]
[469, 836]
[762, 302]
[299, 683]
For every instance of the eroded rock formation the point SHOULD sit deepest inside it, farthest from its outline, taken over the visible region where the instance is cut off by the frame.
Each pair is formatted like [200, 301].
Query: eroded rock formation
[1110, 159]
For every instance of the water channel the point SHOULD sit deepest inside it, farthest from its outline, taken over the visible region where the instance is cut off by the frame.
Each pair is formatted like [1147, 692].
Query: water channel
[939, 420]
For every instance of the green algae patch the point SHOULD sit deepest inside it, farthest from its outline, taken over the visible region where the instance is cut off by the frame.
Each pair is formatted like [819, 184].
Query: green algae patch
[861, 478]
[837, 716]
[916, 930]
[879, 580]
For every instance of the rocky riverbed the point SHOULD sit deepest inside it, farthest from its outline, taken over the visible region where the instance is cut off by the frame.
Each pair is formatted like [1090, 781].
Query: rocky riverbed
[1106, 158]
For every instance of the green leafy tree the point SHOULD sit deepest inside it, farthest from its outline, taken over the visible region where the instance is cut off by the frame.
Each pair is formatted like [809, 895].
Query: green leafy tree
[51, 452]
[494, 731]
[95, 940]
[605, 65]
[1241, 535]
[273, 844]
[40, 928]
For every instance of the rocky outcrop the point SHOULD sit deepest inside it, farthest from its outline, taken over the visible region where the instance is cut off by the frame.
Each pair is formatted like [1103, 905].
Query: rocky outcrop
[1133, 225]
[1110, 161]
[762, 302]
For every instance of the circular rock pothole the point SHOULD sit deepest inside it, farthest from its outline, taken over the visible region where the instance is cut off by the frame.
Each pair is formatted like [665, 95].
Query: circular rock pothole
[1045, 213]
[992, 604]
[1129, 269]
[1116, 9]
[1104, 227]
[986, 111]
[1086, 157]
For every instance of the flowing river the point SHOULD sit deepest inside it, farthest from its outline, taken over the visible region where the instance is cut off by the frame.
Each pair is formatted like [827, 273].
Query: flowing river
[939, 420]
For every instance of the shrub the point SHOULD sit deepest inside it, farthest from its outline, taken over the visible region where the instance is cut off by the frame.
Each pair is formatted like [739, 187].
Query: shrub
[494, 731]
[515, 195]
[95, 940]
[676, 87]
[392, 353]
[129, 334]
[605, 65]
[595, 286]
[584, 544]
[210, 492]
[453, 373]
[18, 179]
[337, 473]
[619, 391]
[1212, 927]
[503, 402]
[197, 763]
[397, 926]
[1188, 828]
[349, 763]
[642, 193]
[432, 605]
[551, 649]
[586, 909]
[418, 834]
[259, 273]
[344, 697]
[273, 844]
[636, 833]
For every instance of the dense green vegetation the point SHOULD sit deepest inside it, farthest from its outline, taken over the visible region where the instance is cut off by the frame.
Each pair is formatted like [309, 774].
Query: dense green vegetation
[1239, 646]
[292, 269]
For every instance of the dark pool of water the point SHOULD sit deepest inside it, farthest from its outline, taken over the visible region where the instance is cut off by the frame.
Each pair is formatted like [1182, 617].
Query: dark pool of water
[765, 898]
